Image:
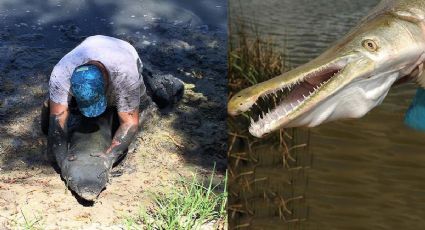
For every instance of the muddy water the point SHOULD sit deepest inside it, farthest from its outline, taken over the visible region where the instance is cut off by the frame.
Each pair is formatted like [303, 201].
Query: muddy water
[367, 173]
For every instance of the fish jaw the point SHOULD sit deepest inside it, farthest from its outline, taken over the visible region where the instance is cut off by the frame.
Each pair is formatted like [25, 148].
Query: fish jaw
[289, 113]
[247, 98]
[346, 81]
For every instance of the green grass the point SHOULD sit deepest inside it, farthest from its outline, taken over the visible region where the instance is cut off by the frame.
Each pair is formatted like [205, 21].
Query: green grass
[252, 59]
[189, 206]
[27, 222]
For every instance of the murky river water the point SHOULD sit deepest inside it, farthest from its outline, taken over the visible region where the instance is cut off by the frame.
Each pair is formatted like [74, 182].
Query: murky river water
[367, 173]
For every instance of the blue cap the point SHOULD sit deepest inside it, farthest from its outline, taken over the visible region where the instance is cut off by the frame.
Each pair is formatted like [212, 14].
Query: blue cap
[88, 88]
[415, 116]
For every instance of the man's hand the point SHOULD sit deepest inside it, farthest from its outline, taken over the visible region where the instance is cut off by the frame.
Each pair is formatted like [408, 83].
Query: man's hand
[129, 122]
[57, 140]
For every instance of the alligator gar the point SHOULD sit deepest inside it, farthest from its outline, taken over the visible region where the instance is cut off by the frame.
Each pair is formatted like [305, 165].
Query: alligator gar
[348, 79]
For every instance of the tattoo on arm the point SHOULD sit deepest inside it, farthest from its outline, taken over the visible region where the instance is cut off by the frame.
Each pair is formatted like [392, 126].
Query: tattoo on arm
[122, 138]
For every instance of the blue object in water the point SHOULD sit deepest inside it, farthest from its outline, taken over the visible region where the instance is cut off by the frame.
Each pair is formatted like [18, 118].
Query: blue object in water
[415, 116]
[88, 88]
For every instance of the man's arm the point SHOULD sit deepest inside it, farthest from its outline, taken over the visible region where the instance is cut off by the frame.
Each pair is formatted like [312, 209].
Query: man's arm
[129, 122]
[57, 140]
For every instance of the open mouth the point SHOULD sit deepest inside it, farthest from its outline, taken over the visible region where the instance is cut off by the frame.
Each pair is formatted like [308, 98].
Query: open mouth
[284, 101]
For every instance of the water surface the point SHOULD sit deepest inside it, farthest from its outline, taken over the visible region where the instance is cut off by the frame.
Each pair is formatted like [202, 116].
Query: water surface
[367, 173]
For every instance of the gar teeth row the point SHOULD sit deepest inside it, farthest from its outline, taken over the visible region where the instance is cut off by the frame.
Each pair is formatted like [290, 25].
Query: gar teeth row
[281, 110]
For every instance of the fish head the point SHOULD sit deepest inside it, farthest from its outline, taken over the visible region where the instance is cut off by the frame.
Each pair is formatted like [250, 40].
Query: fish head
[346, 81]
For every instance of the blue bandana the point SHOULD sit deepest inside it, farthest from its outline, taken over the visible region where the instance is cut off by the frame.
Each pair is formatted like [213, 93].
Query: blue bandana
[88, 88]
[415, 116]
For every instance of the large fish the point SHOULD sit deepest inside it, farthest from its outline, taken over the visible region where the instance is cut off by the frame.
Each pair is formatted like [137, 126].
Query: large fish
[351, 77]
[86, 173]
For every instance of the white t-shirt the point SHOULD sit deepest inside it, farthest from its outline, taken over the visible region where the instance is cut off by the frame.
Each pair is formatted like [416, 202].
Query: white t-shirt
[121, 61]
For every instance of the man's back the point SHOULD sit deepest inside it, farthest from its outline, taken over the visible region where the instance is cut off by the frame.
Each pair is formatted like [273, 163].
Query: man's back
[119, 58]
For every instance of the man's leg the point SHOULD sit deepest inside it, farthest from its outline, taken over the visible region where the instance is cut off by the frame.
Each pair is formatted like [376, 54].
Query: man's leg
[44, 118]
[165, 89]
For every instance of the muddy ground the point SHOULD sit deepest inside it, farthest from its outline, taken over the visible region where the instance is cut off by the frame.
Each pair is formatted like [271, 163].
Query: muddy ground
[183, 39]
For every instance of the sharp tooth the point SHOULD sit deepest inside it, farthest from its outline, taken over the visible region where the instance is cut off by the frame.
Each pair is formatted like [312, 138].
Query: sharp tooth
[299, 102]
[304, 96]
[292, 105]
[251, 120]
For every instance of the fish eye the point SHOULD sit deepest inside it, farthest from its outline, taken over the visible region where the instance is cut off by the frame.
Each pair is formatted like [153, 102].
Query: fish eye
[370, 45]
